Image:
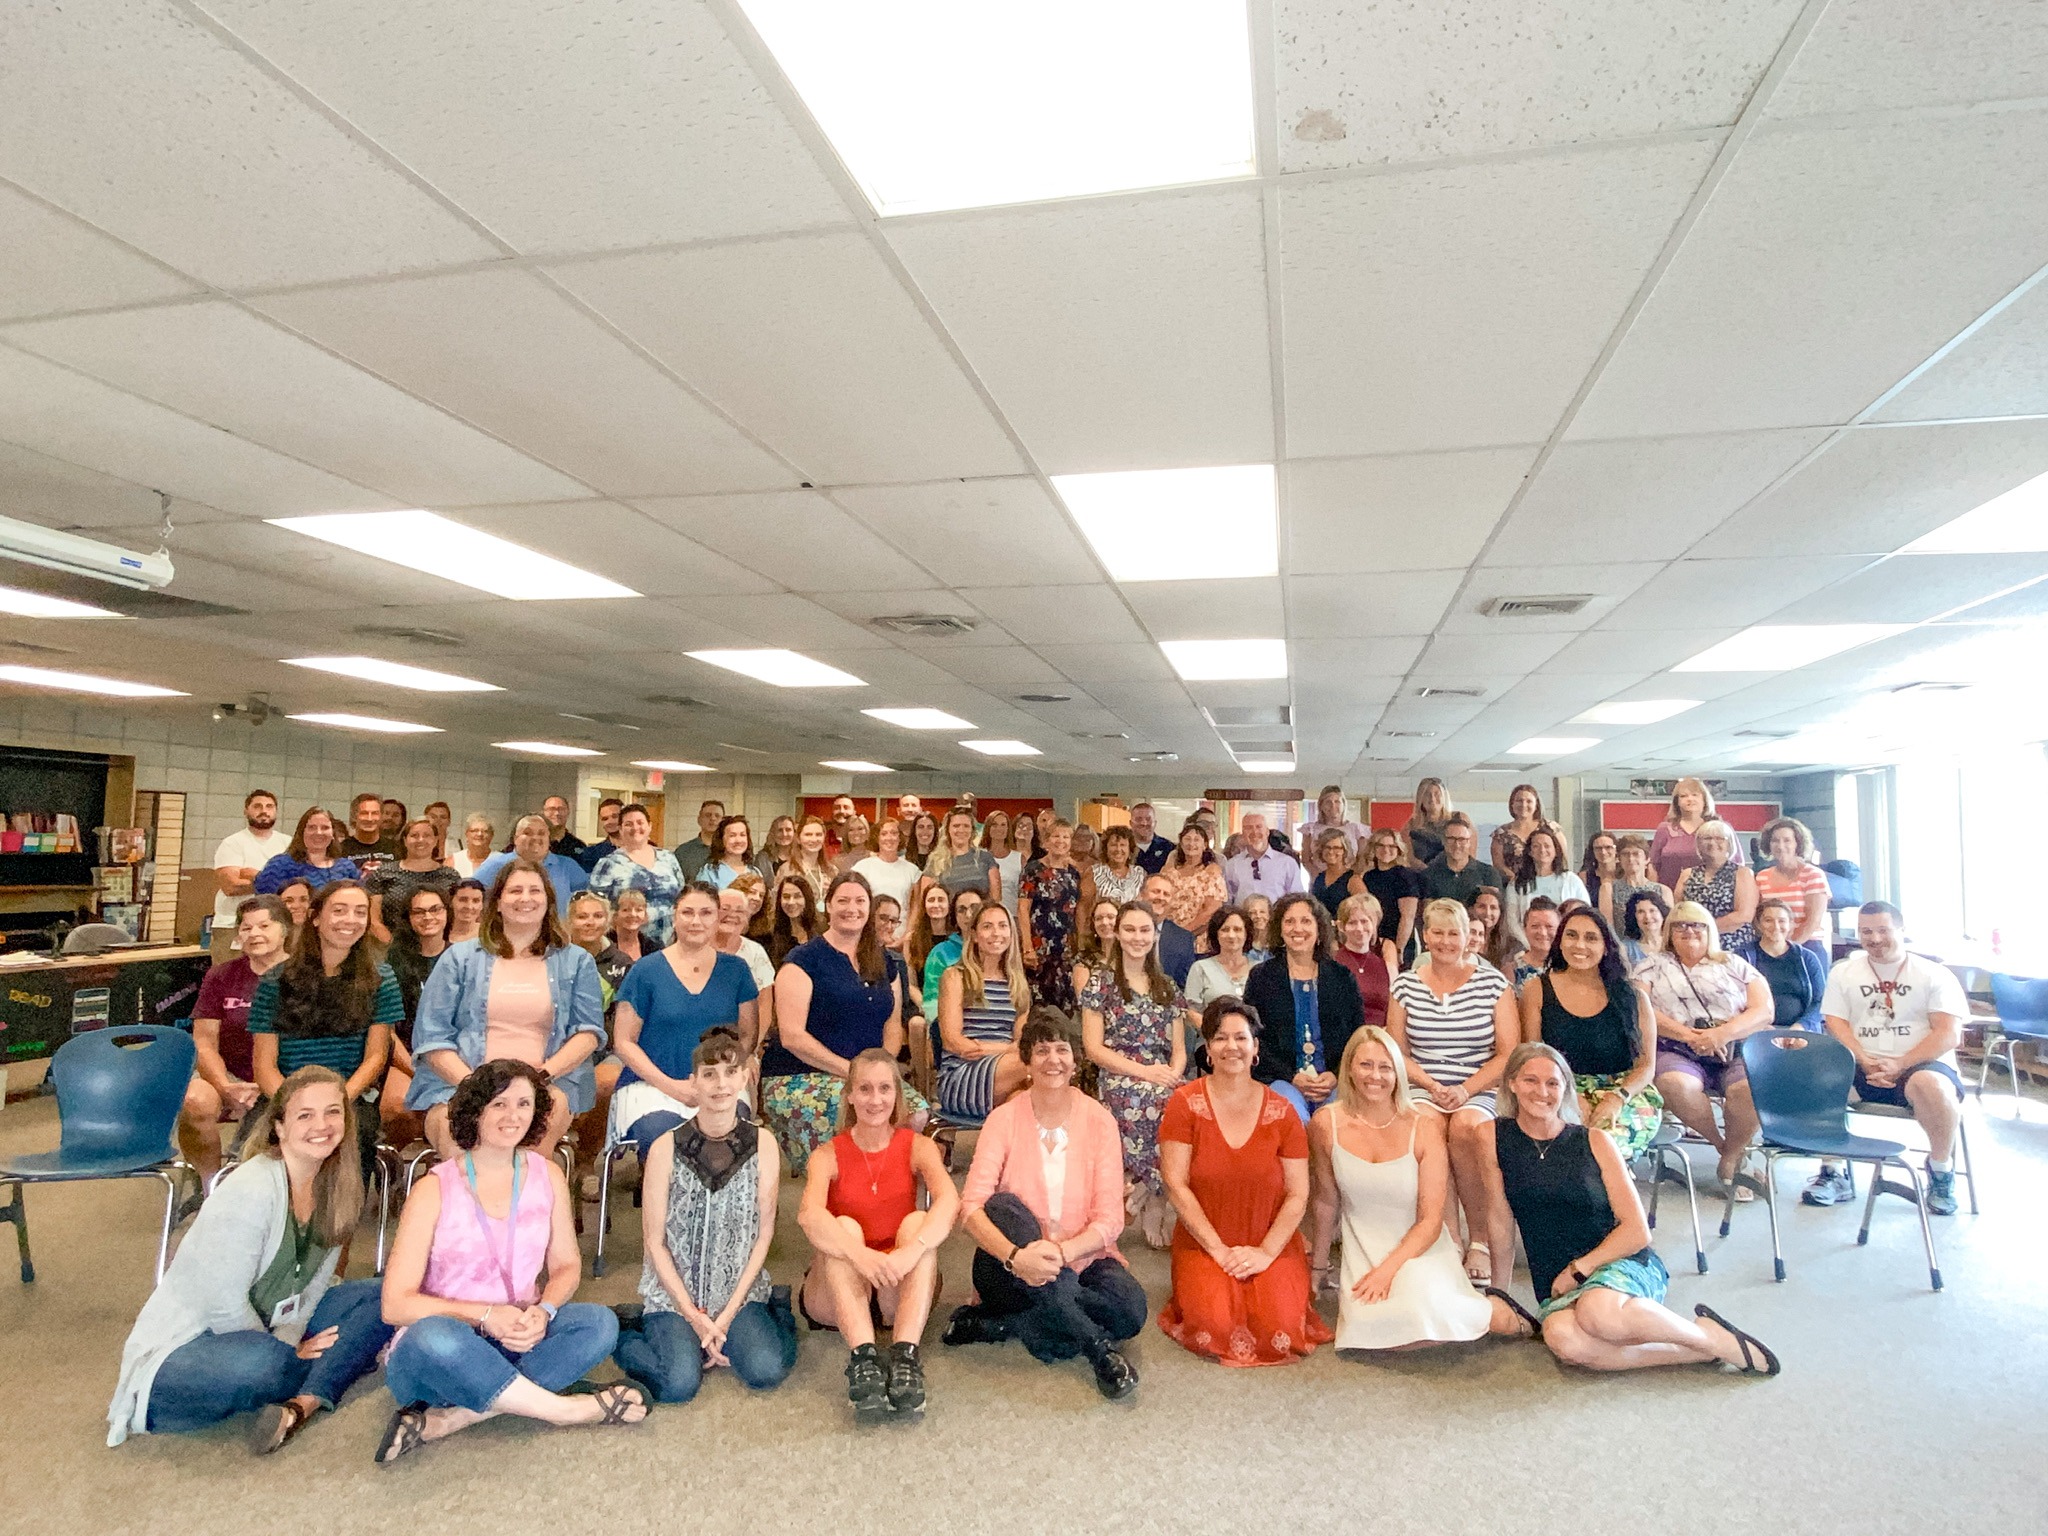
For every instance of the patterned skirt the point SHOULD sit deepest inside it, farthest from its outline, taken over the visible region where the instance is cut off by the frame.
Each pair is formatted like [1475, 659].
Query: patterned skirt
[1635, 1124]
[803, 1112]
[1137, 1106]
[1640, 1274]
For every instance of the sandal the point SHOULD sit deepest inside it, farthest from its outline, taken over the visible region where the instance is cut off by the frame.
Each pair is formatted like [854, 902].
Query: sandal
[276, 1424]
[614, 1399]
[1748, 1341]
[406, 1433]
[1535, 1323]
[1480, 1274]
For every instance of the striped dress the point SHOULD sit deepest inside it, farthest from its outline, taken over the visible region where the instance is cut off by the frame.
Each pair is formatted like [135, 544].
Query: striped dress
[967, 1086]
[1450, 1038]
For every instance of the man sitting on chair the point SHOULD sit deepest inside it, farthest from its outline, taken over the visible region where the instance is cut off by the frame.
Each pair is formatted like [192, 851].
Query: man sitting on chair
[1902, 1015]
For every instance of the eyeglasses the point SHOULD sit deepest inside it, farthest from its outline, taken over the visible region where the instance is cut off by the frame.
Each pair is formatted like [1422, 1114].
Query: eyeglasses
[1688, 927]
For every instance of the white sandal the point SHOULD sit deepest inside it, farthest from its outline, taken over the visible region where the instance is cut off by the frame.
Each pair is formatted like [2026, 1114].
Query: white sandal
[1480, 1275]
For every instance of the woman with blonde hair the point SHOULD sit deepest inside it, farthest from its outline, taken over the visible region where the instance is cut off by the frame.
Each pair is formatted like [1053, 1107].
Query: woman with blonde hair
[1672, 851]
[957, 864]
[1721, 885]
[1382, 1176]
[983, 1001]
[1369, 958]
[777, 848]
[1383, 865]
[1425, 829]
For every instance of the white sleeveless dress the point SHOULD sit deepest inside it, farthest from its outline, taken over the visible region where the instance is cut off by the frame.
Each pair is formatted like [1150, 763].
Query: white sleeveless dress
[1431, 1301]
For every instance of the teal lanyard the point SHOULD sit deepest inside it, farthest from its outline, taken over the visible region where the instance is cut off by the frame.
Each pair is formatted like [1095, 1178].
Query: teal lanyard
[502, 1261]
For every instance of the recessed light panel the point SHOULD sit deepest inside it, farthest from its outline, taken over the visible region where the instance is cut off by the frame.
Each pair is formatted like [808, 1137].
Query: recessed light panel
[934, 104]
[920, 719]
[83, 682]
[669, 765]
[784, 669]
[1207, 661]
[2013, 524]
[375, 723]
[1167, 524]
[855, 765]
[548, 749]
[1266, 765]
[1784, 647]
[1552, 746]
[426, 541]
[397, 674]
[1002, 748]
[1635, 711]
[34, 605]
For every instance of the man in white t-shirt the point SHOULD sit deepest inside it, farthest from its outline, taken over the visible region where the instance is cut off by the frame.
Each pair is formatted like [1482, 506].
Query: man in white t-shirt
[236, 862]
[1902, 1015]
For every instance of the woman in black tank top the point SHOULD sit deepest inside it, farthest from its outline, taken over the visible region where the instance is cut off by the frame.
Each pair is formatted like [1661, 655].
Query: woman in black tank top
[1600, 1284]
[1612, 1052]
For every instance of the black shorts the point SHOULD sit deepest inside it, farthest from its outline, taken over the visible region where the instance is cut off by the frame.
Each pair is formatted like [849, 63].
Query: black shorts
[1896, 1094]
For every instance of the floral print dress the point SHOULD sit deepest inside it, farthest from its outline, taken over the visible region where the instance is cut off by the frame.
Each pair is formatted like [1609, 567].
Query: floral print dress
[1055, 897]
[1143, 1030]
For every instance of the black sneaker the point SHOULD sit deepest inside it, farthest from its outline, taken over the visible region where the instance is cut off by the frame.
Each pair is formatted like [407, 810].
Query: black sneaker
[867, 1388]
[1115, 1377]
[906, 1379]
[968, 1325]
[630, 1315]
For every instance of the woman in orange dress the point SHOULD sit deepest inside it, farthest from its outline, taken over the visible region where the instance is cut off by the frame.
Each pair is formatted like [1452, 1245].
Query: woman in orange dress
[1234, 1157]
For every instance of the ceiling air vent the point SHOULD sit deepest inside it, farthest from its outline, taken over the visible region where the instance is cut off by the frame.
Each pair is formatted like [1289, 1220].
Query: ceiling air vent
[1257, 714]
[1752, 735]
[1408, 735]
[1045, 698]
[1448, 691]
[1100, 735]
[617, 720]
[934, 624]
[1930, 687]
[1504, 768]
[1281, 748]
[410, 635]
[1535, 607]
[1153, 757]
[912, 768]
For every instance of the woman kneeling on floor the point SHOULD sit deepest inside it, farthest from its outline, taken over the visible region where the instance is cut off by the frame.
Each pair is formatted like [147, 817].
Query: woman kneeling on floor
[247, 1316]
[1600, 1284]
[877, 1253]
[709, 1195]
[482, 1336]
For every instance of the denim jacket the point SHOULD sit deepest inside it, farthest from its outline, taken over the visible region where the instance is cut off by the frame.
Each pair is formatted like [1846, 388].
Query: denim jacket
[451, 1018]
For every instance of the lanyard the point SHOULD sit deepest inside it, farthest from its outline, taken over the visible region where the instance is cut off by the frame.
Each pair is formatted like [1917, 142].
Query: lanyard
[302, 1244]
[1705, 1008]
[503, 1262]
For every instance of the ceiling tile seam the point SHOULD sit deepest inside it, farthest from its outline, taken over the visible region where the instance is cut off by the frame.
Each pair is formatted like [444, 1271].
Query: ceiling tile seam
[1878, 118]
[1944, 421]
[1746, 124]
[739, 28]
[1532, 154]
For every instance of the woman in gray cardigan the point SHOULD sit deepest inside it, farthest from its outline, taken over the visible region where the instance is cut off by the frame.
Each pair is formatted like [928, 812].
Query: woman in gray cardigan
[248, 1316]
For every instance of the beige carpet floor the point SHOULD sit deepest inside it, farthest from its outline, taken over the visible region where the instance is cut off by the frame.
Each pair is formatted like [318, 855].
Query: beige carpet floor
[1899, 1411]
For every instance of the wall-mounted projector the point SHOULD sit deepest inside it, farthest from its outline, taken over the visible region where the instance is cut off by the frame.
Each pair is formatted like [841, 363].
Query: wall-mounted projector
[79, 556]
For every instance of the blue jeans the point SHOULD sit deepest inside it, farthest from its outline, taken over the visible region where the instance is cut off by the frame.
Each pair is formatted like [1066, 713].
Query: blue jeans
[1295, 1097]
[218, 1375]
[664, 1353]
[1076, 1312]
[445, 1363]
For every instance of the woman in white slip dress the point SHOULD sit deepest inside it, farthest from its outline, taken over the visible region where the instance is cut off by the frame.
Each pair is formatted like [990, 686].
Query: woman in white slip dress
[1383, 1169]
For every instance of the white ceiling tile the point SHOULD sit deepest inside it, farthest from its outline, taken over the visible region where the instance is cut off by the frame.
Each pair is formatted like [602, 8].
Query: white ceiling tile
[1356, 606]
[1638, 653]
[67, 416]
[1370, 84]
[502, 350]
[1406, 512]
[1245, 695]
[1644, 498]
[562, 128]
[228, 368]
[1607, 586]
[1909, 588]
[1731, 592]
[1194, 610]
[1002, 532]
[1324, 660]
[53, 263]
[1830, 262]
[1092, 664]
[60, 495]
[1461, 307]
[625, 545]
[1877, 488]
[1114, 333]
[812, 344]
[136, 118]
[1882, 55]
[1456, 659]
[1052, 615]
[797, 537]
[2002, 370]
[1004, 667]
[782, 619]
[268, 555]
[864, 607]
[2027, 604]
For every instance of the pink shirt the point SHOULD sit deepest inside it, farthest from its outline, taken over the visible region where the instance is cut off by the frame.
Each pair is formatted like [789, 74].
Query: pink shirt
[1009, 1156]
[519, 1012]
[471, 1254]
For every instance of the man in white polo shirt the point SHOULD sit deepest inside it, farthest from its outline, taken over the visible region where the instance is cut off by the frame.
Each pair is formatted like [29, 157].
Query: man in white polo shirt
[236, 861]
[1902, 1014]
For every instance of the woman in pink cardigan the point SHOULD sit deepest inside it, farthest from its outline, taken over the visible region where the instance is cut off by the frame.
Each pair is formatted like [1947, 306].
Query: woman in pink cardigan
[1045, 1205]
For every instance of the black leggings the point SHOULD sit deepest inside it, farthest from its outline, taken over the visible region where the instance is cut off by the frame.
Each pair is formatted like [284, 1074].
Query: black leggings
[1075, 1313]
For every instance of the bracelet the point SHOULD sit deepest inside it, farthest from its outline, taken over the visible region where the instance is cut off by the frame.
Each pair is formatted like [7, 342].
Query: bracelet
[485, 1318]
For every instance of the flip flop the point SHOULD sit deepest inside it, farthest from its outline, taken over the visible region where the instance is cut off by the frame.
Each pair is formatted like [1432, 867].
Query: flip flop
[1748, 1341]
[1535, 1323]
[406, 1433]
[277, 1424]
[614, 1398]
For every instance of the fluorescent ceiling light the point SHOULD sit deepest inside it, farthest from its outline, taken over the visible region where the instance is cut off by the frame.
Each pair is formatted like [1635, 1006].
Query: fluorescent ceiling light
[1002, 748]
[426, 541]
[1784, 647]
[1635, 711]
[1167, 524]
[547, 749]
[785, 669]
[920, 719]
[370, 669]
[33, 605]
[1208, 661]
[1266, 765]
[855, 765]
[669, 765]
[367, 723]
[2013, 524]
[1552, 746]
[933, 104]
[82, 682]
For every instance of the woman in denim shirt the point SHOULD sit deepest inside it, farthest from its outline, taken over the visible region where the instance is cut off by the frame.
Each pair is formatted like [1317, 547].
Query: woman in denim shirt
[518, 991]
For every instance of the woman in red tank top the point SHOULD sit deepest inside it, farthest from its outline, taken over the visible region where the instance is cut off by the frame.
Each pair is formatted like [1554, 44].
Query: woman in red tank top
[877, 1253]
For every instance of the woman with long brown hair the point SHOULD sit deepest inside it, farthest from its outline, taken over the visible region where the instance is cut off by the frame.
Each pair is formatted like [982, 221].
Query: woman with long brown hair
[793, 922]
[1134, 1028]
[310, 856]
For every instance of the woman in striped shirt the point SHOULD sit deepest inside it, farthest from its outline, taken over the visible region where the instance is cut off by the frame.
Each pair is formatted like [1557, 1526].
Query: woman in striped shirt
[983, 1002]
[1454, 1018]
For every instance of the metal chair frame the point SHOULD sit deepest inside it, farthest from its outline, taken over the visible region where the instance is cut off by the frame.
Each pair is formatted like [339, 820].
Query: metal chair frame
[1670, 1165]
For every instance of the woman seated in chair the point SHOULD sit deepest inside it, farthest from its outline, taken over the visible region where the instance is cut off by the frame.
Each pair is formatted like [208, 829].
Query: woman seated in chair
[1601, 1022]
[876, 1252]
[1600, 1284]
[481, 1279]
[248, 1316]
[983, 1002]
[709, 1191]
[518, 991]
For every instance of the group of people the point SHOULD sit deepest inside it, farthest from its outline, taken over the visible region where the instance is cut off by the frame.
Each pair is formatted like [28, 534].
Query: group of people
[1249, 1064]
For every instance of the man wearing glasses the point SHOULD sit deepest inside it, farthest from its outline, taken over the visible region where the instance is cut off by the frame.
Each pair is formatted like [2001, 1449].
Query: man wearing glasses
[1455, 874]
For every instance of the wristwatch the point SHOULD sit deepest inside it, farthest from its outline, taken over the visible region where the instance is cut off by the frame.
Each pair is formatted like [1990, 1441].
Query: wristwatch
[550, 1308]
[1579, 1276]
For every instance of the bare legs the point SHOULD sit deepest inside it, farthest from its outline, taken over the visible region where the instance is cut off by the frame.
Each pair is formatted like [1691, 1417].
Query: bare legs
[1607, 1331]
[199, 1128]
[527, 1400]
[1469, 1131]
[1686, 1099]
[837, 1294]
[1934, 1105]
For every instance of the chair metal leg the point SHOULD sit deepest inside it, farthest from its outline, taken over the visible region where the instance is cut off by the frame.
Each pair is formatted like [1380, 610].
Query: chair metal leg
[412, 1167]
[1692, 1202]
[1926, 1227]
[1771, 1205]
[1870, 1203]
[565, 1149]
[605, 1161]
[1984, 1061]
[16, 1211]
[1969, 1164]
[2012, 1070]
[172, 1182]
[387, 1161]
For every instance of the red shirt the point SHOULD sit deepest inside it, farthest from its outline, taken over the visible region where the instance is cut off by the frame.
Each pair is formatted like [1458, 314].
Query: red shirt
[877, 1189]
[224, 994]
[1374, 984]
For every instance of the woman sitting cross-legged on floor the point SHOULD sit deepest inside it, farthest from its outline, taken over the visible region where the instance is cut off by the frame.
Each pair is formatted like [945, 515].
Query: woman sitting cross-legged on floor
[1044, 1204]
[877, 1253]
[1600, 1284]
[248, 1315]
[481, 1277]
[709, 1194]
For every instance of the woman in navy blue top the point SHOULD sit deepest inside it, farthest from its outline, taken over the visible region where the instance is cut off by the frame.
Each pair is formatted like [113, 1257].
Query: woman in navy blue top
[665, 1004]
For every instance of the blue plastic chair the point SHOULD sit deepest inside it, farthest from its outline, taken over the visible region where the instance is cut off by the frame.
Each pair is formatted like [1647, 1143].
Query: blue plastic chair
[118, 1096]
[1800, 1084]
[2022, 1004]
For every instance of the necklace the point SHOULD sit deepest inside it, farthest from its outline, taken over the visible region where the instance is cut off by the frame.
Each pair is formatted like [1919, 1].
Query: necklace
[1379, 1125]
[868, 1165]
[1543, 1147]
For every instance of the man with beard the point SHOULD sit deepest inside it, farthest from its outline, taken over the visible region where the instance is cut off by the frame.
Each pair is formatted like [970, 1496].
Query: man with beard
[236, 861]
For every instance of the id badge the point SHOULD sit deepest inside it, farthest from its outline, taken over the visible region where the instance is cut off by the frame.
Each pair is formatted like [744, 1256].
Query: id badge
[286, 1311]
